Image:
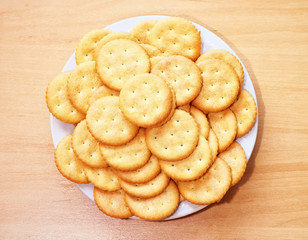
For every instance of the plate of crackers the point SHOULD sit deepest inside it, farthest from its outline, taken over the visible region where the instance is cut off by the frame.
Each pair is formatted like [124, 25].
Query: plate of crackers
[153, 117]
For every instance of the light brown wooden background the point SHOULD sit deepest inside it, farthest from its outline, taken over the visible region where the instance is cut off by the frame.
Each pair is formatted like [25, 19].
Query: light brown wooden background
[270, 202]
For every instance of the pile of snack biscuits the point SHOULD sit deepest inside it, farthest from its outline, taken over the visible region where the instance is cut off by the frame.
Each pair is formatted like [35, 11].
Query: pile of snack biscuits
[156, 122]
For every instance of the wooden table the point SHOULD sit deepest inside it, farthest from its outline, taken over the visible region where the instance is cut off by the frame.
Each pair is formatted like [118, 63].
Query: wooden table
[270, 202]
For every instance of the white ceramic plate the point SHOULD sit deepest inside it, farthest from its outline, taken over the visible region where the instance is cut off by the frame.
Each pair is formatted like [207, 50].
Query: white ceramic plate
[209, 41]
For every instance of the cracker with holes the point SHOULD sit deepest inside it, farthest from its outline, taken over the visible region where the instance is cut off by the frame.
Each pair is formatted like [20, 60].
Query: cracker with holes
[220, 86]
[224, 125]
[142, 30]
[110, 37]
[103, 91]
[147, 189]
[151, 50]
[245, 110]
[155, 208]
[176, 35]
[213, 143]
[176, 139]
[129, 156]
[119, 60]
[58, 102]
[201, 120]
[192, 167]
[146, 100]
[83, 82]
[112, 203]
[226, 57]
[209, 188]
[103, 178]
[67, 162]
[86, 46]
[86, 147]
[235, 157]
[183, 75]
[107, 124]
[144, 174]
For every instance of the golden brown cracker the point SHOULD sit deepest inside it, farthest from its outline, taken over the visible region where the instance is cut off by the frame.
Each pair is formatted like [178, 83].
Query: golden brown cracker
[224, 125]
[142, 30]
[213, 143]
[103, 178]
[144, 174]
[156, 208]
[58, 102]
[83, 82]
[86, 46]
[107, 124]
[103, 91]
[86, 147]
[226, 57]
[201, 120]
[119, 60]
[220, 86]
[146, 100]
[176, 36]
[112, 203]
[209, 188]
[182, 74]
[147, 189]
[110, 37]
[67, 162]
[176, 139]
[235, 157]
[129, 156]
[245, 110]
[192, 167]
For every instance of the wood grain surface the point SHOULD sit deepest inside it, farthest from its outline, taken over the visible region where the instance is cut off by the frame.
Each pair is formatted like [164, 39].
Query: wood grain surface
[270, 202]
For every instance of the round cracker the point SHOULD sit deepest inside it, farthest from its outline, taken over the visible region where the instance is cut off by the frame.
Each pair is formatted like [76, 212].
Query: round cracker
[147, 189]
[58, 102]
[183, 76]
[86, 147]
[129, 156]
[112, 203]
[107, 124]
[67, 162]
[235, 157]
[86, 46]
[103, 178]
[103, 91]
[151, 50]
[146, 100]
[110, 37]
[176, 139]
[220, 86]
[142, 30]
[226, 57]
[245, 110]
[176, 35]
[224, 125]
[144, 174]
[119, 60]
[201, 120]
[213, 143]
[192, 167]
[158, 207]
[209, 188]
[83, 82]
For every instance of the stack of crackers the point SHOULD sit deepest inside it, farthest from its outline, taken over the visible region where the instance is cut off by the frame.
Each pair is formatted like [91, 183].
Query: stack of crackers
[156, 122]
